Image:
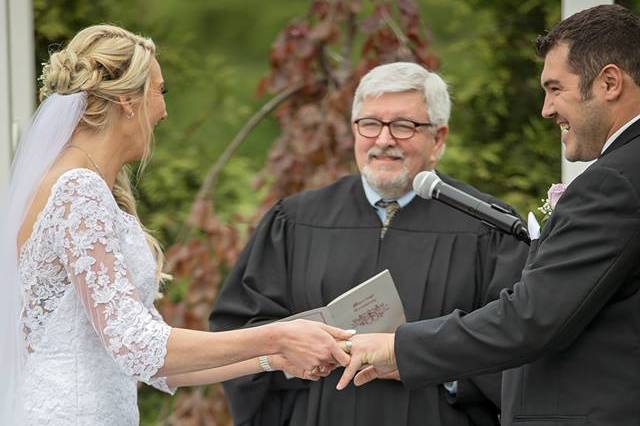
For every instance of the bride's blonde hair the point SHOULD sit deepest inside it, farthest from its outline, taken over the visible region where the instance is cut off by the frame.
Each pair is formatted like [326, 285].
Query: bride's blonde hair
[106, 62]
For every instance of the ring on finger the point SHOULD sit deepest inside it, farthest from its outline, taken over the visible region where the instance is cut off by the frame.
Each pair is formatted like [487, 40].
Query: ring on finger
[347, 346]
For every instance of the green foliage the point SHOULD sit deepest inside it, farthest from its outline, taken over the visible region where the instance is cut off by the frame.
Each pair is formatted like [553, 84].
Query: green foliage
[498, 140]
[153, 405]
[204, 112]
[213, 54]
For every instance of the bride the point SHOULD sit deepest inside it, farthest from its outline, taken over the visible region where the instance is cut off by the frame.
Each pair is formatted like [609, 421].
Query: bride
[79, 271]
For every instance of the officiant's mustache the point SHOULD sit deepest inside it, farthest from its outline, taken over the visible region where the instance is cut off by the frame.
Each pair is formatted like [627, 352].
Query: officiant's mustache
[391, 151]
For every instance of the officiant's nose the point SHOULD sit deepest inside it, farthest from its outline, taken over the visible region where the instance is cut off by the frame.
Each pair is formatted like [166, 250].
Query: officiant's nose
[385, 138]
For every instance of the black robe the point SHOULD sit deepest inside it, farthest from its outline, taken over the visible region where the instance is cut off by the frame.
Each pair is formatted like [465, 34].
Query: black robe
[313, 246]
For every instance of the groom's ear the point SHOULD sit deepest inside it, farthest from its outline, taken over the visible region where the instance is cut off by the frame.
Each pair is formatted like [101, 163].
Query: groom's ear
[611, 81]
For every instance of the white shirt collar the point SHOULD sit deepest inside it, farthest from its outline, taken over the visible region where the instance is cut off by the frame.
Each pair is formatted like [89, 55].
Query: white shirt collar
[618, 132]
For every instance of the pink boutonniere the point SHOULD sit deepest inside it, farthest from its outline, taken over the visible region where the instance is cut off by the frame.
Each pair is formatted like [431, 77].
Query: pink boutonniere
[553, 195]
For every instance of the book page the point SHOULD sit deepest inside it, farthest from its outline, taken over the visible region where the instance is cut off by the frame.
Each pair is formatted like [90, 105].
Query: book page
[371, 307]
[319, 314]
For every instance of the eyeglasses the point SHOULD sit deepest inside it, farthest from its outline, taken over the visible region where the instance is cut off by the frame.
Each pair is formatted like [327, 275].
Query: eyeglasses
[399, 129]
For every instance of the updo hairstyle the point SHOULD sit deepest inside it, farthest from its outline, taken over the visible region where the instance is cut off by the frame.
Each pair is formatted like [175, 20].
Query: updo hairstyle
[106, 62]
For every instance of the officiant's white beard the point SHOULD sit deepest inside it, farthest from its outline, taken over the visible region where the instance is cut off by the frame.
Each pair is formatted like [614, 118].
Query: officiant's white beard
[388, 187]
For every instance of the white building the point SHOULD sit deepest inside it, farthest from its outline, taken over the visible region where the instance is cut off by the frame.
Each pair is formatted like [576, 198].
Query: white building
[17, 76]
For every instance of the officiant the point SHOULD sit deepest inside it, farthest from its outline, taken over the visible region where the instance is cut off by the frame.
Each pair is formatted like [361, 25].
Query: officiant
[313, 246]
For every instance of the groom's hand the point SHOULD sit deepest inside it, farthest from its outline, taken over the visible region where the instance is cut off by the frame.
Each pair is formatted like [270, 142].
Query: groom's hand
[375, 353]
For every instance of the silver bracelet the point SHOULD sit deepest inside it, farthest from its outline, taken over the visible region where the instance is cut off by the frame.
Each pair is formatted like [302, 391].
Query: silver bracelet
[264, 363]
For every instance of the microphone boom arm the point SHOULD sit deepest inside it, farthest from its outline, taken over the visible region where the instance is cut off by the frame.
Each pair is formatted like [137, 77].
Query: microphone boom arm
[472, 206]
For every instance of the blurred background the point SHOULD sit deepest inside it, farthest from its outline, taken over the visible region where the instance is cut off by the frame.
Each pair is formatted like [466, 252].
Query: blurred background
[259, 103]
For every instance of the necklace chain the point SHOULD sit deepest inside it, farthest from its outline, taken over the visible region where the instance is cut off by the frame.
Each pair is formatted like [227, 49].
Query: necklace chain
[84, 151]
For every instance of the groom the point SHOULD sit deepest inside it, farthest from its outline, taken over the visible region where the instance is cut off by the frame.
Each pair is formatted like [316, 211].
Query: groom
[567, 334]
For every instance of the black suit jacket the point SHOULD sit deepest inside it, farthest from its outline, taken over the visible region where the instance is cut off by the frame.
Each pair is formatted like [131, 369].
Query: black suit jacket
[568, 333]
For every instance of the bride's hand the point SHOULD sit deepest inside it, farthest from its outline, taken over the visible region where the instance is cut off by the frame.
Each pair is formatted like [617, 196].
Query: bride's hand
[280, 363]
[309, 345]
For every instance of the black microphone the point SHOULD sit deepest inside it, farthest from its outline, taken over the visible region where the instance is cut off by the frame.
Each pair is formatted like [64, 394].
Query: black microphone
[428, 185]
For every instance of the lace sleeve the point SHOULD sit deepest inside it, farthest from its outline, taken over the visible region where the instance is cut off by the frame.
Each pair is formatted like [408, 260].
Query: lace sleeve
[90, 250]
[160, 383]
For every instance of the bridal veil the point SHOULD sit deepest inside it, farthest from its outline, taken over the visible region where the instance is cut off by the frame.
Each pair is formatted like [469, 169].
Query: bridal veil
[49, 131]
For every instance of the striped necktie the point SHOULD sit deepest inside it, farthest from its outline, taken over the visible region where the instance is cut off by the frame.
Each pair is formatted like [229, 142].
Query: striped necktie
[391, 208]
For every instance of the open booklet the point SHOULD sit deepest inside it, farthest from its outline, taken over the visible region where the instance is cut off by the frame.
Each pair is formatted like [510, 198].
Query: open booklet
[371, 307]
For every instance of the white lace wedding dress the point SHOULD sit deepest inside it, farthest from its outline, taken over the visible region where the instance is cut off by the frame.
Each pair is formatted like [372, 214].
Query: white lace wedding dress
[89, 323]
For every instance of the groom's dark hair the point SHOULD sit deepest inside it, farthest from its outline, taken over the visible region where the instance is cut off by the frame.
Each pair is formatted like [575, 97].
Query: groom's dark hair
[596, 37]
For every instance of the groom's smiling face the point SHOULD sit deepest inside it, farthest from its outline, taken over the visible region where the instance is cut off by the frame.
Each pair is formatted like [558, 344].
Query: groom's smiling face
[582, 122]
